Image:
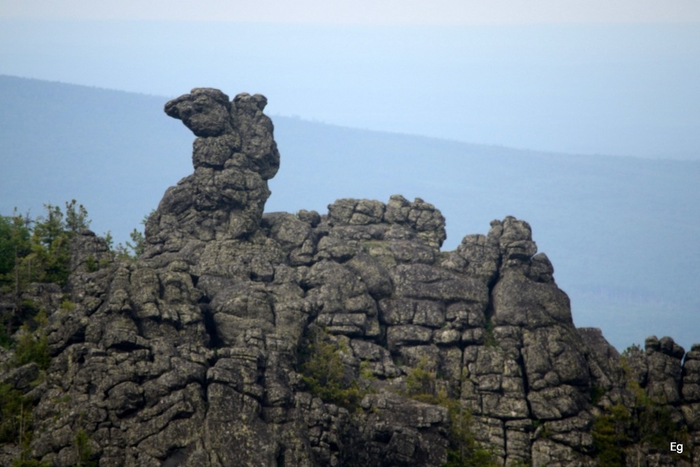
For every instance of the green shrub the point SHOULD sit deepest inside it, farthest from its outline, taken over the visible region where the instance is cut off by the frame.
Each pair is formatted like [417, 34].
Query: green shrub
[16, 422]
[91, 264]
[366, 371]
[597, 394]
[323, 371]
[67, 306]
[83, 450]
[422, 384]
[646, 422]
[489, 336]
[38, 250]
[632, 350]
[14, 244]
[611, 435]
[651, 421]
[33, 346]
[5, 339]
[139, 241]
[464, 450]
[15, 414]
[420, 381]
[15, 408]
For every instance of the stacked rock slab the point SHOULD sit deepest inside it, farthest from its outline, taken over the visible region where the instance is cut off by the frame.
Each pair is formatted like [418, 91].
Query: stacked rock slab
[190, 356]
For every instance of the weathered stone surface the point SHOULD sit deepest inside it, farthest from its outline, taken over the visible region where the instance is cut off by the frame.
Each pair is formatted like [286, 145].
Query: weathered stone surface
[664, 364]
[518, 440]
[419, 216]
[604, 361]
[192, 355]
[691, 375]
[421, 281]
[548, 453]
[234, 157]
[520, 301]
[21, 378]
[480, 256]
[205, 111]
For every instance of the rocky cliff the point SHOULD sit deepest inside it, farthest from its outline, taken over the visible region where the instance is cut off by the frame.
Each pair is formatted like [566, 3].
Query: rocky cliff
[244, 338]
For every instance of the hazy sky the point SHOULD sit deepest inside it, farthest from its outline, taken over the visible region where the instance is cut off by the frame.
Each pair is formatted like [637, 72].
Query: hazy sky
[580, 76]
[365, 11]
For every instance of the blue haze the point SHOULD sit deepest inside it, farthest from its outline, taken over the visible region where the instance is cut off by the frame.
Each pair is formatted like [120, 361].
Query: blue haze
[596, 89]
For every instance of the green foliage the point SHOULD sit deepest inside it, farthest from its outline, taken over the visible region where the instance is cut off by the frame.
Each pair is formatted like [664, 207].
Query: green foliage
[133, 249]
[653, 424]
[422, 384]
[49, 260]
[323, 371]
[39, 250]
[489, 337]
[597, 394]
[109, 240]
[139, 242]
[147, 218]
[91, 264]
[15, 408]
[366, 371]
[83, 450]
[651, 420]
[5, 339]
[76, 218]
[611, 434]
[632, 350]
[546, 432]
[420, 380]
[66, 305]
[647, 422]
[15, 414]
[35, 251]
[464, 450]
[33, 346]
[16, 423]
[14, 244]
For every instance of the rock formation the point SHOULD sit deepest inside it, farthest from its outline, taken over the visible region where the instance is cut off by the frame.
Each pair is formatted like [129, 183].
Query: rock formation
[194, 355]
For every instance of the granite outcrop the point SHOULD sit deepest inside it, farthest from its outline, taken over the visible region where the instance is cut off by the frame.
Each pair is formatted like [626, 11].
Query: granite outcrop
[195, 354]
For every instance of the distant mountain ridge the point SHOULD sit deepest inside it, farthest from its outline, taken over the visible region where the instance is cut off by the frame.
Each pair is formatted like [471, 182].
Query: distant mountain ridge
[621, 231]
[588, 88]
